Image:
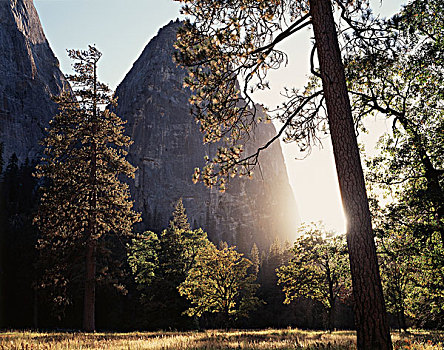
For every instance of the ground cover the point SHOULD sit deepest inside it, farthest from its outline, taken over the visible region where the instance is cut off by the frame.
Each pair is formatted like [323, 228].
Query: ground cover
[208, 340]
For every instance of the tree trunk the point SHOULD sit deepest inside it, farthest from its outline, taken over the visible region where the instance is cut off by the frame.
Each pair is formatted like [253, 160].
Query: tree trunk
[402, 321]
[90, 287]
[370, 315]
[89, 323]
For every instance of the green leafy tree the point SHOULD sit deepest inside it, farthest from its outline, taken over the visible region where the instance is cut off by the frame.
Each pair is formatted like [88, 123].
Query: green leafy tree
[411, 268]
[220, 283]
[229, 47]
[400, 75]
[160, 263]
[84, 203]
[319, 270]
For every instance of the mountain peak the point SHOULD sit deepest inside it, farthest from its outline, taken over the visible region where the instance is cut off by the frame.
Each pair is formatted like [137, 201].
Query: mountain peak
[168, 147]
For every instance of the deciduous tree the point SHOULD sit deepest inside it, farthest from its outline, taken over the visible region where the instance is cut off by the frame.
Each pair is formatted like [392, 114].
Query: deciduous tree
[318, 270]
[400, 75]
[220, 283]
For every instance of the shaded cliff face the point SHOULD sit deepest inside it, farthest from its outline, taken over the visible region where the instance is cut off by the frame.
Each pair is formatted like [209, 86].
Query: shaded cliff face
[168, 146]
[29, 75]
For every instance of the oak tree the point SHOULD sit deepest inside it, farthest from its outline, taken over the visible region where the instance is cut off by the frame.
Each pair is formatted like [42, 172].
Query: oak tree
[400, 76]
[318, 270]
[220, 283]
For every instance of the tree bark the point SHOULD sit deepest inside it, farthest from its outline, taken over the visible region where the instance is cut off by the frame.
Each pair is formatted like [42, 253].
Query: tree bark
[370, 314]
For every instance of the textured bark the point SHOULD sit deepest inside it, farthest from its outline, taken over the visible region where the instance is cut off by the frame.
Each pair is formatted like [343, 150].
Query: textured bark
[370, 314]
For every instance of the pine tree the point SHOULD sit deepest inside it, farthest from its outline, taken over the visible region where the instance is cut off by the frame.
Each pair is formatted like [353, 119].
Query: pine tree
[84, 202]
[180, 219]
[226, 40]
[255, 259]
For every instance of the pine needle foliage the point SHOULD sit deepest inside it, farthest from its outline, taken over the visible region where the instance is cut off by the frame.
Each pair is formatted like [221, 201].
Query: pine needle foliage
[84, 203]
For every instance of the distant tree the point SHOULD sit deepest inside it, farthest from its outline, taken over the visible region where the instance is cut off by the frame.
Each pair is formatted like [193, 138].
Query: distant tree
[229, 47]
[180, 219]
[318, 270]
[220, 283]
[255, 259]
[84, 203]
[160, 263]
[269, 289]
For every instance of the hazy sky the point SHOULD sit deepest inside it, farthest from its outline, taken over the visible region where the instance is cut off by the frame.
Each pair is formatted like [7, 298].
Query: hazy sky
[122, 28]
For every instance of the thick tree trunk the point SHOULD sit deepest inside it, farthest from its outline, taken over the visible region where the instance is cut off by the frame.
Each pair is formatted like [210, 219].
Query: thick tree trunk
[370, 315]
[90, 287]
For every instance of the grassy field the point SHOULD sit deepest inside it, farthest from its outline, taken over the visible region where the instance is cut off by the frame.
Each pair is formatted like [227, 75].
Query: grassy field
[208, 340]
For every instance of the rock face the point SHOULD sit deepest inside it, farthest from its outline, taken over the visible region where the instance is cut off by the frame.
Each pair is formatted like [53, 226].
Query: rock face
[29, 75]
[168, 146]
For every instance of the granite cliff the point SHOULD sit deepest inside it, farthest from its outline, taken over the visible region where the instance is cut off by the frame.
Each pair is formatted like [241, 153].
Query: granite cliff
[29, 75]
[168, 146]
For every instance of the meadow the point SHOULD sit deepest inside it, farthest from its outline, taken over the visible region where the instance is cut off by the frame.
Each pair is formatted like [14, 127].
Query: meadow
[208, 340]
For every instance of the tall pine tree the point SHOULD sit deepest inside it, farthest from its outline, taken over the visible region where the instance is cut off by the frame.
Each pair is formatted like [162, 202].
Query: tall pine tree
[84, 203]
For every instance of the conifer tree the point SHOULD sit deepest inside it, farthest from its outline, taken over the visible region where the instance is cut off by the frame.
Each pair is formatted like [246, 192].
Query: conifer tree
[84, 203]
[255, 259]
[180, 219]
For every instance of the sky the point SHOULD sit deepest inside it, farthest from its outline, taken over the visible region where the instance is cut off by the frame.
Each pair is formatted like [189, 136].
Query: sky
[122, 28]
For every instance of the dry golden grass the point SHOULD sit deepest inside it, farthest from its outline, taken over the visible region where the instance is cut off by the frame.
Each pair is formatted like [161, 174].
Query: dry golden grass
[208, 340]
